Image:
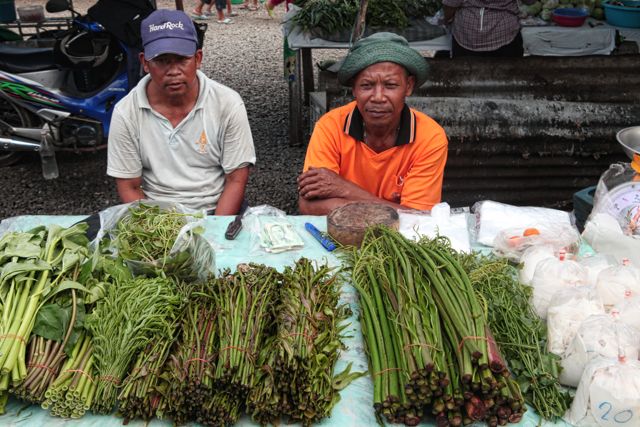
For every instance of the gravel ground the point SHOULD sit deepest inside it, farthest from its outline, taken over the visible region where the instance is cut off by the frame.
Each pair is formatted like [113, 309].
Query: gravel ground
[246, 56]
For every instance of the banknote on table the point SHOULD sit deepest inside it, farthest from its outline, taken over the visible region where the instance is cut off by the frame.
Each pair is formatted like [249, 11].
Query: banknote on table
[279, 237]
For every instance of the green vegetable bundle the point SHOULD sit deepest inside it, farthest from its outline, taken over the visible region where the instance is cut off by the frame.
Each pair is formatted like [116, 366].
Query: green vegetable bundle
[521, 335]
[418, 307]
[335, 16]
[295, 378]
[71, 393]
[35, 266]
[188, 370]
[163, 241]
[130, 316]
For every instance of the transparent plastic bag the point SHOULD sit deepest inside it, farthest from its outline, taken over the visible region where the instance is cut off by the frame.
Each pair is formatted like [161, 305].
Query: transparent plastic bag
[614, 284]
[599, 335]
[595, 264]
[608, 394]
[191, 256]
[570, 307]
[553, 275]
[493, 217]
[440, 221]
[530, 260]
[511, 243]
[629, 311]
[271, 231]
[605, 201]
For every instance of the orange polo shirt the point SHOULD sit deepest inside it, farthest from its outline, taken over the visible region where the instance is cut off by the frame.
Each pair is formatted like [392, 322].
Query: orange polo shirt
[410, 173]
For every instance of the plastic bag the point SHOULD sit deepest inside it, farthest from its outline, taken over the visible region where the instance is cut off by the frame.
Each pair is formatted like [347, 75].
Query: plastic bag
[270, 230]
[599, 335]
[530, 260]
[570, 307]
[629, 311]
[441, 220]
[616, 283]
[608, 394]
[191, 256]
[553, 275]
[493, 217]
[595, 264]
[604, 234]
[511, 243]
[605, 202]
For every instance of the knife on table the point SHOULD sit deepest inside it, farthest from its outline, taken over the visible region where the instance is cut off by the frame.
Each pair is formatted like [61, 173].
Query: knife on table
[233, 228]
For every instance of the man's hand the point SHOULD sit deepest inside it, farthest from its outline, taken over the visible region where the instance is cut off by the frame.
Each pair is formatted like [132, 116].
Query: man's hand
[130, 189]
[322, 183]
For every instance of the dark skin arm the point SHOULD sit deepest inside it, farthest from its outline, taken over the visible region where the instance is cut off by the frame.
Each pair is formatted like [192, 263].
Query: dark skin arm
[129, 189]
[321, 190]
[233, 194]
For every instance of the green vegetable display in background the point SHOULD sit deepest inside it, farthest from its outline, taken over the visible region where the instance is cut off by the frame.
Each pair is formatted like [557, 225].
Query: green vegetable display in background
[334, 16]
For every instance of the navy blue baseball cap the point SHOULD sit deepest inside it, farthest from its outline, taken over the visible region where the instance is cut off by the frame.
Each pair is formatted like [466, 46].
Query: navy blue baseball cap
[168, 31]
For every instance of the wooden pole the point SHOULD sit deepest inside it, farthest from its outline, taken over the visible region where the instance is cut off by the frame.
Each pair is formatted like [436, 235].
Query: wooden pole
[361, 21]
[179, 5]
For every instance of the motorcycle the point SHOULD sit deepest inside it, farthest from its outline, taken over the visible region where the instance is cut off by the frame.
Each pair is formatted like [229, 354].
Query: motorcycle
[61, 98]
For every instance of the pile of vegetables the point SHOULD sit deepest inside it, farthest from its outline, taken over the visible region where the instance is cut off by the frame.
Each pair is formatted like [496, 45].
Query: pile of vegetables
[544, 8]
[295, 377]
[429, 345]
[521, 335]
[334, 16]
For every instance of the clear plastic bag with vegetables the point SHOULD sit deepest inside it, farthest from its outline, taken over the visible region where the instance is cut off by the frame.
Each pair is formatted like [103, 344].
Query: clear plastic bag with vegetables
[599, 335]
[159, 238]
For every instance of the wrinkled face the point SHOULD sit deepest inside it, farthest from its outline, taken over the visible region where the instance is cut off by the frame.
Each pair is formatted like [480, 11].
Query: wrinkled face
[380, 91]
[174, 75]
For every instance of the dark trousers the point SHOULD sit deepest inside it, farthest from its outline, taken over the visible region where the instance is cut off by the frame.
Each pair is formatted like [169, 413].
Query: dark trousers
[511, 50]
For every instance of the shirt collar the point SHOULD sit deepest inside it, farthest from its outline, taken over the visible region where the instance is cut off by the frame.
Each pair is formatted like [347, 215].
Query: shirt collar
[354, 126]
[141, 89]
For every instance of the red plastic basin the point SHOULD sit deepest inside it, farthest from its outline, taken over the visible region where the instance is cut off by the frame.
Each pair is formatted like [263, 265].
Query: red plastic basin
[569, 17]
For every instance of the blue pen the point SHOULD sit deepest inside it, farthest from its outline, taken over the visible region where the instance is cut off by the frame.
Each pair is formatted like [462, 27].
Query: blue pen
[320, 237]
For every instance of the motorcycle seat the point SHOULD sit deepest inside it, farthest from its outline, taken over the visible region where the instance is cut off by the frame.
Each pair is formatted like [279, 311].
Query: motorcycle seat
[14, 59]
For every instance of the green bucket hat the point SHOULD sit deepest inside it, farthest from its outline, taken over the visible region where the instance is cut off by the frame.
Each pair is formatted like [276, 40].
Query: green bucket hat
[382, 47]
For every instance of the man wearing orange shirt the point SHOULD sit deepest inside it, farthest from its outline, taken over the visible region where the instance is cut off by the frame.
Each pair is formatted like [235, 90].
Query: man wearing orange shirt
[376, 148]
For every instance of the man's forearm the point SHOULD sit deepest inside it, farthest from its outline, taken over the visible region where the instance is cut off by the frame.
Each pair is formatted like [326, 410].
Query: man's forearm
[232, 196]
[325, 206]
[130, 190]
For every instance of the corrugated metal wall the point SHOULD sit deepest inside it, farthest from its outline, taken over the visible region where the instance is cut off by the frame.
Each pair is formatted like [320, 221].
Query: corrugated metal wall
[528, 131]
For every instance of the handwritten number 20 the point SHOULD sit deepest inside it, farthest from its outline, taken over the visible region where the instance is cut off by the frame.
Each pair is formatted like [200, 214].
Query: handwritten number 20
[620, 417]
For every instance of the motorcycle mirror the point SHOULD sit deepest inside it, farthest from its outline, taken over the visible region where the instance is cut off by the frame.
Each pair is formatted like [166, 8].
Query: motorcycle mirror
[54, 6]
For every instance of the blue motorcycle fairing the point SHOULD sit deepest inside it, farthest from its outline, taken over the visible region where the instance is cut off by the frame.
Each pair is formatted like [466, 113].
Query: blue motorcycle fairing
[34, 96]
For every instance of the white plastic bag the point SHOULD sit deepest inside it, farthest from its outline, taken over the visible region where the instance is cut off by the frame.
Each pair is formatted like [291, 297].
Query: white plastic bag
[493, 217]
[191, 256]
[599, 335]
[629, 311]
[512, 243]
[441, 221]
[271, 231]
[553, 275]
[608, 395]
[530, 260]
[616, 283]
[595, 264]
[570, 307]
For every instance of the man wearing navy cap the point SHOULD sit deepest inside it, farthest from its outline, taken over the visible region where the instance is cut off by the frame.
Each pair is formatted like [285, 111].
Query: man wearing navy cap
[179, 136]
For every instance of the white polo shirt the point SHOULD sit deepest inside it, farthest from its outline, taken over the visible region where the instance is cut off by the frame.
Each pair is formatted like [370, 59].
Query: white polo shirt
[188, 163]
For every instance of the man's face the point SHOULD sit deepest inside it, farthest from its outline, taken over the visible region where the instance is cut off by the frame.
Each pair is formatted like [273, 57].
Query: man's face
[174, 75]
[380, 91]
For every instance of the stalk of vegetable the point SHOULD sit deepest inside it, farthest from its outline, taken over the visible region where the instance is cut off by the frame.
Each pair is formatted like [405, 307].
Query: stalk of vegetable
[130, 316]
[188, 371]
[296, 376]
[70, 394]
[521, 336]
[47, 355]
[34, 265]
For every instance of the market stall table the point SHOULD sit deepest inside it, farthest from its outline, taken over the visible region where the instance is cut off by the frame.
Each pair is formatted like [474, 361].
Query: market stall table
[355, 407]
[592, 38]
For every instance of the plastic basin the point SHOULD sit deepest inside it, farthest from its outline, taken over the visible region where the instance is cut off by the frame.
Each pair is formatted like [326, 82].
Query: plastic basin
[569, 16]
[627, 15]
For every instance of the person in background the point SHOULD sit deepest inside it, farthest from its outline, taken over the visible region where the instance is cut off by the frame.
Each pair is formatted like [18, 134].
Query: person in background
[271, 4]
[376, 148]
[484, 27]
[179, 136]
[199, 13]
[252, 6]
